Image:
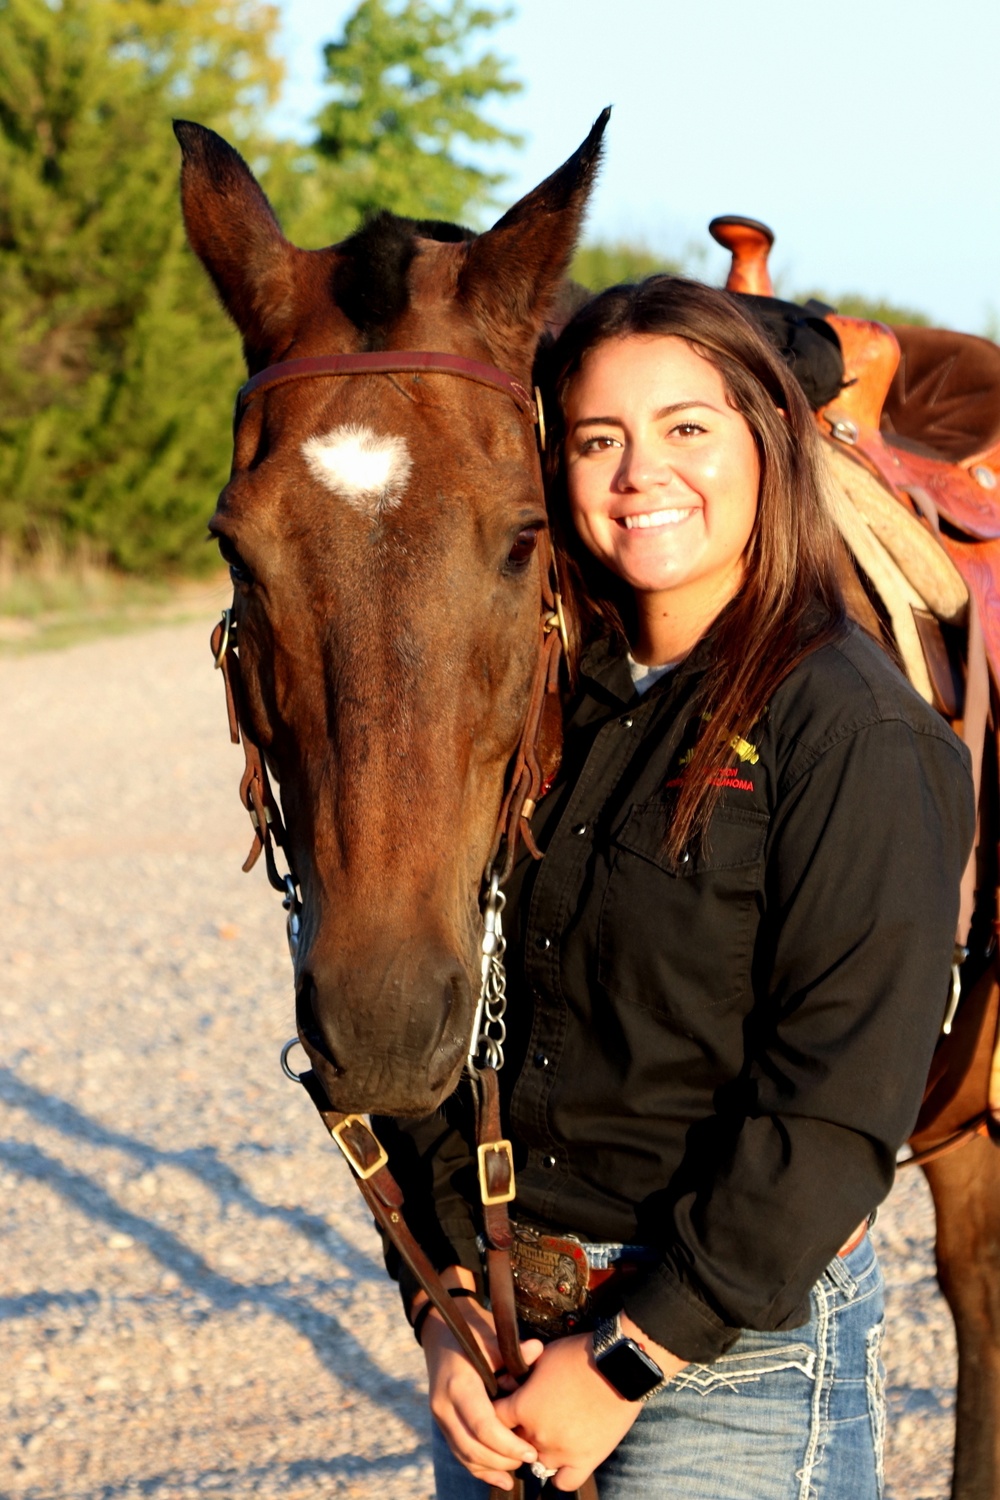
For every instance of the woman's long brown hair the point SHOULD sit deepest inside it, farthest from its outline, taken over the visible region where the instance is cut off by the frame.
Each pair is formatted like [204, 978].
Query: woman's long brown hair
[790, 601]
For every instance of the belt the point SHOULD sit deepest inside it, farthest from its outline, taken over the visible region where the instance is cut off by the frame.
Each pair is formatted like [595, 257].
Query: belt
[562, 1283]
[858, 1235]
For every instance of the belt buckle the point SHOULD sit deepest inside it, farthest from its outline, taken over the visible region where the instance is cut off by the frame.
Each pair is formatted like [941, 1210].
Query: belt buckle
[551, 1279]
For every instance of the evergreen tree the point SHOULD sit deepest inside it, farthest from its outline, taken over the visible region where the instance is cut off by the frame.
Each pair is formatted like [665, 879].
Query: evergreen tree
[407, 103]
[602, 263]
[116, 366]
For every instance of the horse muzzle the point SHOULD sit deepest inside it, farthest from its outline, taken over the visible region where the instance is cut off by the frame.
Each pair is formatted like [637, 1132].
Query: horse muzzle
[393, 1048]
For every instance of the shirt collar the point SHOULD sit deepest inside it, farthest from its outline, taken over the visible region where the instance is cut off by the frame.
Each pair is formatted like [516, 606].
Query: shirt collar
[604, 664]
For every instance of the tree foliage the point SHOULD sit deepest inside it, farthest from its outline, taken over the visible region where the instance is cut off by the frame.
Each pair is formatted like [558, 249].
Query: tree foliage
[855, 305]
[407, 105]
[116, 366]
[605, 263]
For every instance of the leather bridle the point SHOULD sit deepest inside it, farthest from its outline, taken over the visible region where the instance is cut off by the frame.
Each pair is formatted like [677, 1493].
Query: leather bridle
[532, 770]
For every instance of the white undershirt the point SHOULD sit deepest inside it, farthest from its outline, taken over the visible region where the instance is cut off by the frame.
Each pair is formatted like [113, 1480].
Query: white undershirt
[643, 676]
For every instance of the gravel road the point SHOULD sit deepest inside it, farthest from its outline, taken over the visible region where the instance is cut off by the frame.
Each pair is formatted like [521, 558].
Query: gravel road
[191, 1298]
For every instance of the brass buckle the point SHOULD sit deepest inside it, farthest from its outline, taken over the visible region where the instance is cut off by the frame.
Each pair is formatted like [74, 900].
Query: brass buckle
[357, 1167]
[556, 620]
[228, 628]
[505, 1149]
[540, 418]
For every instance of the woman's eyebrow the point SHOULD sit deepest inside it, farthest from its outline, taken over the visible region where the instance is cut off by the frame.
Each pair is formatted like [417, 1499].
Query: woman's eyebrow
[598, 422]
[664, 411]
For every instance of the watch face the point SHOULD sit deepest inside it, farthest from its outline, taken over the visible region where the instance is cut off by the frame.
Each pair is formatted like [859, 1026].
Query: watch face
[631, 1371]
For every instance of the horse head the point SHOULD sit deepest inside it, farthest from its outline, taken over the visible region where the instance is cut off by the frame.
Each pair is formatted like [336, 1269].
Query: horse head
[381, 531]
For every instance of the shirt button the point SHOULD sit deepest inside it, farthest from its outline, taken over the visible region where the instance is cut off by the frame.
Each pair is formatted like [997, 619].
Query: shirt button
[540, 1060]
[627, 722]
[685, 858]
[580, 829]
[548, 1162]
[543, 943]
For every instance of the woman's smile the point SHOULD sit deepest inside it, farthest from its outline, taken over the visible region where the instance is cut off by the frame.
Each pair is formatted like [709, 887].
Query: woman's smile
[644, 519]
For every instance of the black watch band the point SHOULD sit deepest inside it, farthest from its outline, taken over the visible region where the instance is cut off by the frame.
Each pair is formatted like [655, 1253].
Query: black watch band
[625, 1365]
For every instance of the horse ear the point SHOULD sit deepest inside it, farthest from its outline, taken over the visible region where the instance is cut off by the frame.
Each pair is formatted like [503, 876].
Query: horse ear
[513, 271]
[233, 231]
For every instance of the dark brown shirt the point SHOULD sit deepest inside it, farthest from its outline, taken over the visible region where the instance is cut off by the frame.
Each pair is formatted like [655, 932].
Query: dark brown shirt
[719, 1056]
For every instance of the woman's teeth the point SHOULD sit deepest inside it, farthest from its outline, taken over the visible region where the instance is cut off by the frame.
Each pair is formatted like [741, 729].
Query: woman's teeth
[656, 518]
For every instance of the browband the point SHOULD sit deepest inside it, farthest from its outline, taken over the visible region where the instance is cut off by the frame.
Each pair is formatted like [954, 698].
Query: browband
[386, 362]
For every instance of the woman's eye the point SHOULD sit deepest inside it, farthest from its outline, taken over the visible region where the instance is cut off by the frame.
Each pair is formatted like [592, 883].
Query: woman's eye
[524, 545]
[238, 570]
[687, 429]
[599, 444]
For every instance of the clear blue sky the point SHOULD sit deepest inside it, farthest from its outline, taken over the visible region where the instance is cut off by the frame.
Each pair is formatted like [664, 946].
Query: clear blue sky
[865, 132]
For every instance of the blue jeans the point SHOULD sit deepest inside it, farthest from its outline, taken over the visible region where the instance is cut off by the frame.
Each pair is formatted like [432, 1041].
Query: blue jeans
[798, 1415]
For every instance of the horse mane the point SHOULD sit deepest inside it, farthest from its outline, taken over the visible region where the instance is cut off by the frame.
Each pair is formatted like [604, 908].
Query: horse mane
[370, 277]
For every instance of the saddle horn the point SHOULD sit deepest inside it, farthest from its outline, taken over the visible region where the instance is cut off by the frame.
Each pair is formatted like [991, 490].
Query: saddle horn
[749, 242]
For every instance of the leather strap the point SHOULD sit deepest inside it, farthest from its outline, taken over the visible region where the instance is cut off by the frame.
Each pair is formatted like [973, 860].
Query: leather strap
[539, 752]
[389, 362]
[385, 1199]
[255, 787]
[871, 449]
[975, 717]
[497, 1183]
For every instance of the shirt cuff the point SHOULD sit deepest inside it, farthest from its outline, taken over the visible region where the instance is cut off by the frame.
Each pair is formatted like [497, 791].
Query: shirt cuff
[670, 1313]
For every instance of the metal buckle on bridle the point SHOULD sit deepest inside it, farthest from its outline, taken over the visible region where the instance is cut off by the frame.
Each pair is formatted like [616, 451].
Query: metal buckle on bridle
[357, 1164]
[556, 620]
[286, 1067]
[489, 1031]
[228, 630]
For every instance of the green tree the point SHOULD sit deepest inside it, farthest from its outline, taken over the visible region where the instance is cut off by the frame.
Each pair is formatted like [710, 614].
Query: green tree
[116, 366]
[605, 263]
[407, 106]
[855, 305]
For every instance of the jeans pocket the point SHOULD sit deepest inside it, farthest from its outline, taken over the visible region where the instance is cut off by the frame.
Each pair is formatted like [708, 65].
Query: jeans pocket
[875, 1382]
[743, 1367]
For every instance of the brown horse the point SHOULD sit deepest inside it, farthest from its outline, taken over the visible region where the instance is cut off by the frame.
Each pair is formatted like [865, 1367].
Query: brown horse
[385, 530]
[913, 443]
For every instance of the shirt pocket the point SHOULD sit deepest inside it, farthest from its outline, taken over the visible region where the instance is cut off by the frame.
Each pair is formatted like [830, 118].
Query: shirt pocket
[676, 936]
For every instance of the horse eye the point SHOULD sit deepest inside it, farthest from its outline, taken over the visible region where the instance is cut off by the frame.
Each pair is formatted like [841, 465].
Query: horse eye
[238, 570]
[524, 545]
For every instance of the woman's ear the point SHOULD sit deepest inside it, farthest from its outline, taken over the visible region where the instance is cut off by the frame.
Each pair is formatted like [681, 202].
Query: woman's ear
[782, 412]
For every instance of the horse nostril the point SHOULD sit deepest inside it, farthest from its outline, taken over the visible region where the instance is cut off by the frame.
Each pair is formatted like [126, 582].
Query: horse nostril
[456, 1008]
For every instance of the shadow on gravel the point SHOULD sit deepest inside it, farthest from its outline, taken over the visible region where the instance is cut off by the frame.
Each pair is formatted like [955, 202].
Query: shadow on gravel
[280, 1475]
[202, 1162]
[33, 1303]
[335, 1346]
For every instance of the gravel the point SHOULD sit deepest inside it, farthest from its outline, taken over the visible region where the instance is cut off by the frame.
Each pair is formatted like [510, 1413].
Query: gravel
[192, 1299]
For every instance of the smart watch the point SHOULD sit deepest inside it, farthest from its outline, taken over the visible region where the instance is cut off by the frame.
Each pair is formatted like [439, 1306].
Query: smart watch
[626, 1366]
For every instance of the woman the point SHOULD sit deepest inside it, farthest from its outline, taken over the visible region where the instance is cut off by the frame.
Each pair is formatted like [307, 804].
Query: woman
[729, 970]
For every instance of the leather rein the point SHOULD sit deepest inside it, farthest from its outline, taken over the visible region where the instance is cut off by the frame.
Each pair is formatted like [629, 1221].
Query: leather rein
[532, 770]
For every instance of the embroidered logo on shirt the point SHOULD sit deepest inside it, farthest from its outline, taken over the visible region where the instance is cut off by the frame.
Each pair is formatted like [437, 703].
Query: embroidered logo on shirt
[730, 776]
[744, 749]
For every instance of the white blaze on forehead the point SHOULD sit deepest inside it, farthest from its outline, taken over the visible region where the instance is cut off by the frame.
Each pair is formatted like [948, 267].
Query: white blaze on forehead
[367, 470]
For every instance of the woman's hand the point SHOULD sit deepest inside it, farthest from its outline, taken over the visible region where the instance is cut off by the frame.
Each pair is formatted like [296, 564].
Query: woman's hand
[569, 1412]
[461, 1407]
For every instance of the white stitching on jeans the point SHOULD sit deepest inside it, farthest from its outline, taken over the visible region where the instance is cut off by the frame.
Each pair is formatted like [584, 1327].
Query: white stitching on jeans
[875, 1384]
[730, 1371]
[824, 1332]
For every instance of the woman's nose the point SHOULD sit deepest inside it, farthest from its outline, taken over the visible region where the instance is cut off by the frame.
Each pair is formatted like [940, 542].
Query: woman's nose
[643, 469]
